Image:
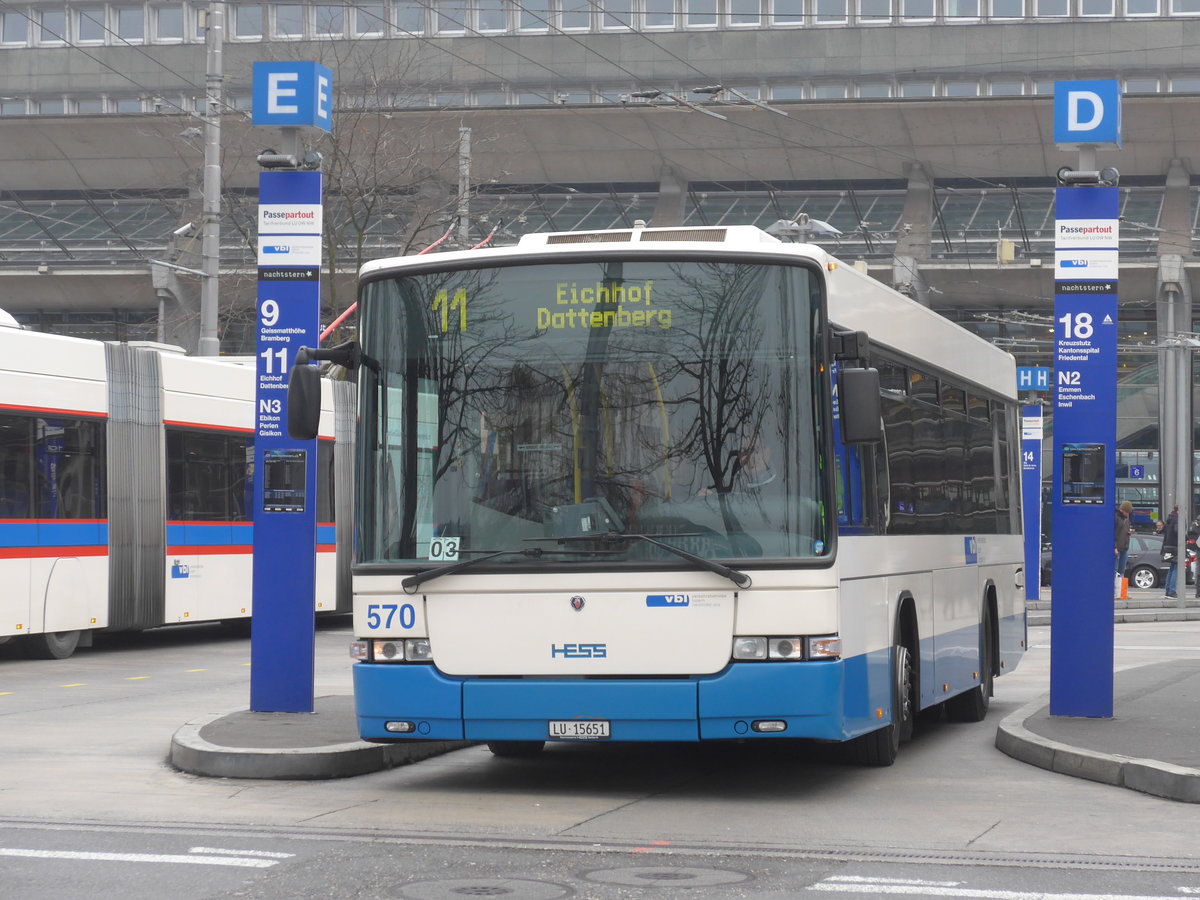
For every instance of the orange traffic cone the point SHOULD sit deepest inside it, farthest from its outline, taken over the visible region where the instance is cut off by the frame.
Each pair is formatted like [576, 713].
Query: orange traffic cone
[1124, 588]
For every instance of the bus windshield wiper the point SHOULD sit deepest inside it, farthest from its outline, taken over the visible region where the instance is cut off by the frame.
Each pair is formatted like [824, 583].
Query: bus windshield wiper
[412, 582]
[741, 579]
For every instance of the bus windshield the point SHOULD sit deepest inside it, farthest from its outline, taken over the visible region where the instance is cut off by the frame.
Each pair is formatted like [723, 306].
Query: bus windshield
[544, 405]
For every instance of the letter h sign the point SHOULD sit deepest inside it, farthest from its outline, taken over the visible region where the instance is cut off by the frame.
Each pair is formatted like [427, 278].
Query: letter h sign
[293, 94]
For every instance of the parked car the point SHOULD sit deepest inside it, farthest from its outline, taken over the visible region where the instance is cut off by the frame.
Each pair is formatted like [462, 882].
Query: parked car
[1145, 567]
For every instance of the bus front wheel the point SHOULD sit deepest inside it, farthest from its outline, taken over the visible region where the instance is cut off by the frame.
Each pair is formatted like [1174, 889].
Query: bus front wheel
[880, 747]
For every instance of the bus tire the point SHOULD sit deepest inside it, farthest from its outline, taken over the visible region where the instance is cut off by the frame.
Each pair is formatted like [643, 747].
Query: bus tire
[516, 749]
[53, 644]
[880, 747]
[972, 706]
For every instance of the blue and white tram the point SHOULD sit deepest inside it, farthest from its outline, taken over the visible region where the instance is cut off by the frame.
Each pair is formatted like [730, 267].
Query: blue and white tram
[125, 490]
[675, 485]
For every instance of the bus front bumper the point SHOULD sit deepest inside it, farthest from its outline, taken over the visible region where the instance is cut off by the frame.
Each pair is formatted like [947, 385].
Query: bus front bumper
[808, 698]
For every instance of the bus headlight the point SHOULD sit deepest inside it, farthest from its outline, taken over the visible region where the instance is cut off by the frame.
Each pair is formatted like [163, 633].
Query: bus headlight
[417, 650]
[749, 648]
[825, 647]
[387, 651]
[785, 648]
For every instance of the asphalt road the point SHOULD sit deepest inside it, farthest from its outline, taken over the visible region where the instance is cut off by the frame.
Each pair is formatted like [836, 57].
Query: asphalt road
[89, 807]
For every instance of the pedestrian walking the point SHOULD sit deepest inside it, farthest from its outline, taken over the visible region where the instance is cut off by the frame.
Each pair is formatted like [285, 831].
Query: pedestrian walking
[1121, 532]
[1170, 536]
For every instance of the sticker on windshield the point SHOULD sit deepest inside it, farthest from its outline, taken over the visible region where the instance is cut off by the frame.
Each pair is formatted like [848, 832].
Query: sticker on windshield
[443, 549]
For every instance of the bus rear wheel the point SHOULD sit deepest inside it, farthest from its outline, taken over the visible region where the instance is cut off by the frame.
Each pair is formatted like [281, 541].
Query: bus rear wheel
[516, 749]
[53, 644]
[973, 705]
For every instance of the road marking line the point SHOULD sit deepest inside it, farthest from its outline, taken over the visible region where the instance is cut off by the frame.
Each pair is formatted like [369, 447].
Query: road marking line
[75, 684]
[866, 880]
[141, 857]
[137, 677]
[195, 670]
[932, 891]
[270, 854]
[5, 693]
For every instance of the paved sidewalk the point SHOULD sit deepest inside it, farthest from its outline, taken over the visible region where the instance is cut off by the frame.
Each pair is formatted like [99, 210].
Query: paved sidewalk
[291, 746]
[1151, 743]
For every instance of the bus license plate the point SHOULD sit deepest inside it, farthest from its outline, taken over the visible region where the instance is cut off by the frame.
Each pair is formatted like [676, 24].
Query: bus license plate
[579, 729]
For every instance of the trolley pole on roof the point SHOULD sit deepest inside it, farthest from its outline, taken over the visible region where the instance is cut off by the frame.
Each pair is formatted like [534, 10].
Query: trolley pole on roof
[210, 235]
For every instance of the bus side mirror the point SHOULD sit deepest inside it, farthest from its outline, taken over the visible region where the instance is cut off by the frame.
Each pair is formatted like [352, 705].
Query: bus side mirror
[859, 407]
[304, 402]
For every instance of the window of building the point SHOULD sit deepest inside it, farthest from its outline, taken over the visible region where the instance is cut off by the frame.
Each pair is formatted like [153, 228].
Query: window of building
[659, 13]
[701, 13]
[409, 17]
[962, 88]
[533, 98]
[1185, 85]
[1007, 9]
[1043, 86]
[530, 18]
[576, 14]
[915, 10]
[962, 10]
[745, 12]
[1095, 7]
[617, 13]
[90, 106]
[493, 15]
[449, 98]
[1052, 8]
[14, 28]
[131, 23]
[917, 89]
[52, 26]
[369, 19]
[1185, 7]
[89, 24]
[829, 92]
[248, 21]
[830, 11]
[288, 20]
[1006, 88]
[490, 98]
[874, 10]
[329, 20]
[1141, 7]
[1141, 85]
[787, 92]
[12, 107]
[168, 23]
[874, 90]
[53, 106]
[451, 16]
[787, 12]
[127, 105]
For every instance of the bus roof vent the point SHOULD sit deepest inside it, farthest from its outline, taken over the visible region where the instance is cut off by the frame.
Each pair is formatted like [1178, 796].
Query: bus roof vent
[715, 235]
[590, 237]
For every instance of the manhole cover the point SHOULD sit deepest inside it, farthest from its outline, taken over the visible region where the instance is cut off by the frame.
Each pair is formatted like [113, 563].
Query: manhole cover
[455, 889]
[673, 876]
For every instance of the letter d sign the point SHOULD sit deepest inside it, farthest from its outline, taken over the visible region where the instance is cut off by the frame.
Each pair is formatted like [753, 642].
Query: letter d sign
[1087, 113]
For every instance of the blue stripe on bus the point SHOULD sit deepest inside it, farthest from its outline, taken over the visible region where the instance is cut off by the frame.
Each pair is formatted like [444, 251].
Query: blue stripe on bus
[206, 534]
[47, 533]
[810, 697]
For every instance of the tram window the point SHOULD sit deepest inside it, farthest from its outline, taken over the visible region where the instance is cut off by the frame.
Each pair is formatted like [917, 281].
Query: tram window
[68, 469]
[207, 477]
[15, 471]
[325, 482]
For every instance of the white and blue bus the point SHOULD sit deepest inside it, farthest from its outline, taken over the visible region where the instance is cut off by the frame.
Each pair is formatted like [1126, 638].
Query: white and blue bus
[126, 486]
[674, 485]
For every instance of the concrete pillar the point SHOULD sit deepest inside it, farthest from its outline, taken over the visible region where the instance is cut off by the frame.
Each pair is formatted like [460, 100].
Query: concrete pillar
[672, 199]
[916, 231]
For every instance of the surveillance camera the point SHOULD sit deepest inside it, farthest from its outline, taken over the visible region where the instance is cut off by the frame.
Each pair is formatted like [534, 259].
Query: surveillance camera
[270, 159]
[186, 230]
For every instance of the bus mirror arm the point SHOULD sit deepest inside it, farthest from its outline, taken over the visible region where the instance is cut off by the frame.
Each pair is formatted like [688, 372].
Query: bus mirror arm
[847, 345]
[348, 355]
